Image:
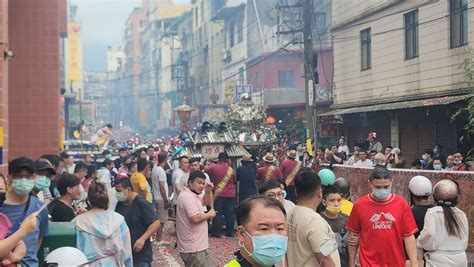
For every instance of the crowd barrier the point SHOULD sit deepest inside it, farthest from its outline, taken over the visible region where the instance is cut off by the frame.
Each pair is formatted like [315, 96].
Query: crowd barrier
[358, 177]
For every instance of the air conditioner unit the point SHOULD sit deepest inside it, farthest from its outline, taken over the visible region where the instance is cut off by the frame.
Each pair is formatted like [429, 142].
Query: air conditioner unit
[226, 55]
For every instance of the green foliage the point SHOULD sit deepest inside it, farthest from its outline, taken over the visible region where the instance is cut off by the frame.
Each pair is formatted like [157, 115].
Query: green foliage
[467, 66]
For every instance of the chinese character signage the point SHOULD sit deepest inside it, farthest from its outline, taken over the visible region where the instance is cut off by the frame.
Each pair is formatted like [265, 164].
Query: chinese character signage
[211, 151]
[241, 89]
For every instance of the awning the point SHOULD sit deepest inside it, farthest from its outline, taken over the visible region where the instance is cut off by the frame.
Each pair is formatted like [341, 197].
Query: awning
[440, 101]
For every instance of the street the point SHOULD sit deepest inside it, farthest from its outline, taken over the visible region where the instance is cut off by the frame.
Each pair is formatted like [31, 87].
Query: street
[221, 249]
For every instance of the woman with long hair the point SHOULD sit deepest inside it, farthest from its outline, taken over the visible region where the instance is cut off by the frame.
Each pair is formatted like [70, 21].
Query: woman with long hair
[103, 234]
[445, 234]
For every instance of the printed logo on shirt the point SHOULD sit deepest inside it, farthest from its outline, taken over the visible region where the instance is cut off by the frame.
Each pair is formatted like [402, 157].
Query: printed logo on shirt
[382, 221]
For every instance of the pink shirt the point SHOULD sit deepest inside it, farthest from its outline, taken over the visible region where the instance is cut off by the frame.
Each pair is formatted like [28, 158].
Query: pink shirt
[191, 237]
[5, 226]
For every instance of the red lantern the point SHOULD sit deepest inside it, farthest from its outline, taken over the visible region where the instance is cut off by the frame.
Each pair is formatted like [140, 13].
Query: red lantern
[271, 120]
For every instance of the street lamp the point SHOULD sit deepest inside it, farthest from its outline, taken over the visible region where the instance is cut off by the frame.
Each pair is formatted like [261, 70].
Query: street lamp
[184, 113]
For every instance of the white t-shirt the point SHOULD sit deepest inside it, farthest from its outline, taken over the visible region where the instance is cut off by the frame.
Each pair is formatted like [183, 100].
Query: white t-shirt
[343, 148]
[159, 175]
[307, 231]
[366, 163]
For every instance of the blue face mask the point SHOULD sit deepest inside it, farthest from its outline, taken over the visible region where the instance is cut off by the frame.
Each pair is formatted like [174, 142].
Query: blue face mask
[22, 186]
[268, 249]
[42, 183]
[381, 194]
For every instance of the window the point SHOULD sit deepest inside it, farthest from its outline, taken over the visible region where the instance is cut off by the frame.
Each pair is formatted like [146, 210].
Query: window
[257, 80]
[319, 20]
[411, 35]
[231, 34]
[458, 22]
[240, 30]
[365, 45]
[286, 79]
[241, 76]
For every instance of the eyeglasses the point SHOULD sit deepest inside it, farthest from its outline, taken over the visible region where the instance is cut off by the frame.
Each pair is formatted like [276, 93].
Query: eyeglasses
[281, 194]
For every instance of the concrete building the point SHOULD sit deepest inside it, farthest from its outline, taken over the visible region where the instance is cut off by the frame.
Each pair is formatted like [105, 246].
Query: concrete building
[115, 59]
[396, 71]
[130, 93]
[160, 51]
[30, 82]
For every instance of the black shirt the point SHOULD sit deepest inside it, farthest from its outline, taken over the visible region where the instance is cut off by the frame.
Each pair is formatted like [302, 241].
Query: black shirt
[138, 214]
[419, 214]
[60, 211]
[246, 176]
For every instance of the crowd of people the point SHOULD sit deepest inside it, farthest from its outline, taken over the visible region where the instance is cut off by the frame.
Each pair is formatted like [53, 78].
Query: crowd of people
[289, 211]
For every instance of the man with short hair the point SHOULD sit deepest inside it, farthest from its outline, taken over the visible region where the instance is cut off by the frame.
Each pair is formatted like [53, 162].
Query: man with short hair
[307, 230]
[428, 158]
[104, 176]
[458, 162]
[268, 171]
[139, 182]
[141, 219]
[19, 204]
[260, 218]
[123, 155]
[181, 173]
[363, 161]
[68, 162]
[223, 178]
[88, 160]
[332, 201]
[289, 169]
[191, 222]
[336, 157]
[449, 163]
[384, 223]
[160, 193]
[374, 144]
[61, 209]
[273, 188]
[246, 178]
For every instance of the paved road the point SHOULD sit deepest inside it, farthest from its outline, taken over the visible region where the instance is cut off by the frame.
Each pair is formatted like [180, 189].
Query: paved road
[221, 250]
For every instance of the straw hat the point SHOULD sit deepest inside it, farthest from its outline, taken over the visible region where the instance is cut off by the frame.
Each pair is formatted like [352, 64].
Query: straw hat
[292, 154]
[269, 158]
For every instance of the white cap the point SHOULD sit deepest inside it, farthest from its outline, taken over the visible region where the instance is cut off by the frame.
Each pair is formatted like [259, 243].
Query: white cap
[420, 186]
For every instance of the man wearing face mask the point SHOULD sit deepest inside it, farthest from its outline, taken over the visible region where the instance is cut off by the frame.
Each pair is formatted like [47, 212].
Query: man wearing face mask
[307, 230]
[44, 173]
[141, 219]
[191, 222]
[428, 157]
[384, 223]
[262, 233]
[19, 204]
[332, 201]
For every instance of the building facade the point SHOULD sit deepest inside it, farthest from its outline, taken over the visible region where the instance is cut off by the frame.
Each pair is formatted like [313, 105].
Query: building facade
[32, 106]
[396, 71]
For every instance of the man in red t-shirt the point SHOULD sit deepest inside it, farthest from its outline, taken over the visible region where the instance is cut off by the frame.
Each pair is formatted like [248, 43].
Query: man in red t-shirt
[384, 222]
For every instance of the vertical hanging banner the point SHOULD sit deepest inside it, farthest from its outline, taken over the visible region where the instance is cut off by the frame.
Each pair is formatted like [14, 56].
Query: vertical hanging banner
[1, 145]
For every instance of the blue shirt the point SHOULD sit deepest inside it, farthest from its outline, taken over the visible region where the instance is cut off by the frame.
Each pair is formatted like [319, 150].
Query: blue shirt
[15, 214]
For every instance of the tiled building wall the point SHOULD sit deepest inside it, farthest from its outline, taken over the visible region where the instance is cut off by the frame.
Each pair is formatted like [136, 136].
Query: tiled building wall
[34, 77]
[4, 85]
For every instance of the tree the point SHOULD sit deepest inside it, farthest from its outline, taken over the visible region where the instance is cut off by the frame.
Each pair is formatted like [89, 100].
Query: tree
[468, 68]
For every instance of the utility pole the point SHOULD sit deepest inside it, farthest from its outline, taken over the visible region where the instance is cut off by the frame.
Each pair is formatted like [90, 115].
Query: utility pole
[308, 75]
